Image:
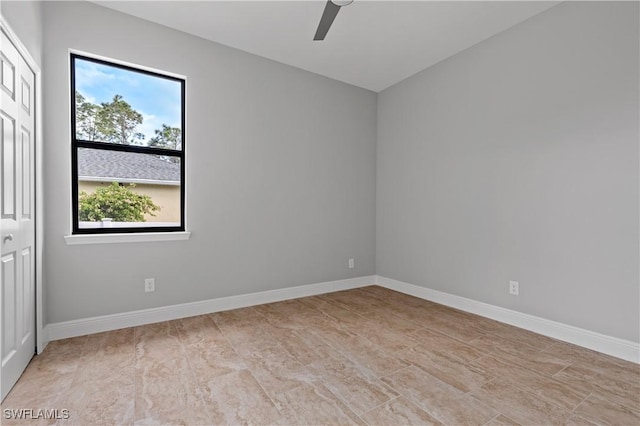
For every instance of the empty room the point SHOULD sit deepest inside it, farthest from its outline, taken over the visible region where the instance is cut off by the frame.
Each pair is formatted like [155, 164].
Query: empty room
[320, 212]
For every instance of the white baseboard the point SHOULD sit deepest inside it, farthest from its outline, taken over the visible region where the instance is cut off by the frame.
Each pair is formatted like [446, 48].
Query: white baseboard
[613, 346]
[81, 327]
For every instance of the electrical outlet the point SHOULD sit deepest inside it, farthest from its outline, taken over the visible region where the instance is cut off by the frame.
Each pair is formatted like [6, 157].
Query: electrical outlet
[514, 288]
[149, 285]
[352, 263]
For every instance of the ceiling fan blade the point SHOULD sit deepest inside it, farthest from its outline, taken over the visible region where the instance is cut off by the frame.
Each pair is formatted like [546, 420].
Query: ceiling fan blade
[329, 14]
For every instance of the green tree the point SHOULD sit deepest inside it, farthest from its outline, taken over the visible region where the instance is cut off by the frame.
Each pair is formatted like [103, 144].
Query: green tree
[118, 122]
[167, 137]
[117, 202]
[86, 119]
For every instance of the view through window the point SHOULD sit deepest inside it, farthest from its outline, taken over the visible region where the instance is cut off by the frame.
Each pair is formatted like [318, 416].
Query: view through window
[127, 148]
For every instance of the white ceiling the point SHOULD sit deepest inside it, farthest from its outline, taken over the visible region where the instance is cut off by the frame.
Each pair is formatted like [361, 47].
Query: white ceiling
[371, 44]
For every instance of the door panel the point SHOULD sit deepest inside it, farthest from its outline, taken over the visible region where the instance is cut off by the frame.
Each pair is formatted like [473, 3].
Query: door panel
[8, 77]
[8, 306]
[25, 98]
[27, 162]
[8, 165]
[17, 225]
[26, 296]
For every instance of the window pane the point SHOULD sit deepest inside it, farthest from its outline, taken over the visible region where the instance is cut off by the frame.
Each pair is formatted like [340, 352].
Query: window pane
[122, 106]
[125, 189]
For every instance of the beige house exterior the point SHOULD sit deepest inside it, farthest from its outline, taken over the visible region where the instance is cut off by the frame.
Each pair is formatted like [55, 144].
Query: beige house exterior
[152, 175]
[167, 197]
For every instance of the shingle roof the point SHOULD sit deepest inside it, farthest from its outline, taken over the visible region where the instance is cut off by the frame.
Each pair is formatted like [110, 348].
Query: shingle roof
[125, 165]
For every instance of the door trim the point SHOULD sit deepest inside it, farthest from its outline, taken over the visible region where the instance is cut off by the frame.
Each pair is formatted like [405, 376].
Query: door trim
[41, 338]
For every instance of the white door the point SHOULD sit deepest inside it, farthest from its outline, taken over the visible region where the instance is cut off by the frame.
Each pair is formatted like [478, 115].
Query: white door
[17, 224]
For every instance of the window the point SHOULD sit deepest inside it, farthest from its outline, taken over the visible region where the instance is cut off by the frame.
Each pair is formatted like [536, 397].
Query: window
[127, 134]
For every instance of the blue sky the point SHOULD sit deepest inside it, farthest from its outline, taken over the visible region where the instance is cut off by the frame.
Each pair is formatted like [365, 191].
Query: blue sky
[157, 99]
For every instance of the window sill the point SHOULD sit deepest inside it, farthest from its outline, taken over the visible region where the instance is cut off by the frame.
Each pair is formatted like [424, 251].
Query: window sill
[126, 238]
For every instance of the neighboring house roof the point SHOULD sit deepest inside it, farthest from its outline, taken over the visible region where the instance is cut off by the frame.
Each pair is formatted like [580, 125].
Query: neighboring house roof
[103, 165]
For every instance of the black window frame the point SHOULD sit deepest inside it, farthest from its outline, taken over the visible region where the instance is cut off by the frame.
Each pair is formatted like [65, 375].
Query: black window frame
[76, 144]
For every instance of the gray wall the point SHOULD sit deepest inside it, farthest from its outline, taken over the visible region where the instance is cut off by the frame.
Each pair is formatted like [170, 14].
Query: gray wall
[25, 18]
[518, 159]
[280, 174]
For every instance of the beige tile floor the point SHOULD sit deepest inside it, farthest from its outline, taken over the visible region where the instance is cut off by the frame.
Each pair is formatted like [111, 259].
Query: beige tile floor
[365, 356]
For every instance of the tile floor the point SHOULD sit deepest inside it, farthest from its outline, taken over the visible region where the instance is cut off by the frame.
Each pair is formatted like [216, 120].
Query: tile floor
[365, 356]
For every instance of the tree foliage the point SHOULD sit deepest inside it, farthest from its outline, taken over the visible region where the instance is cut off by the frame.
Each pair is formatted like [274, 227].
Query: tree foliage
[118, 122]
[117, 202]
[167, 137]
[86, 118]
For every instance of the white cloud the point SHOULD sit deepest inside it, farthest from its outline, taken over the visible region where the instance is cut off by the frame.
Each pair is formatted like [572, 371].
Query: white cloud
[89, 74]
[149, 124]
